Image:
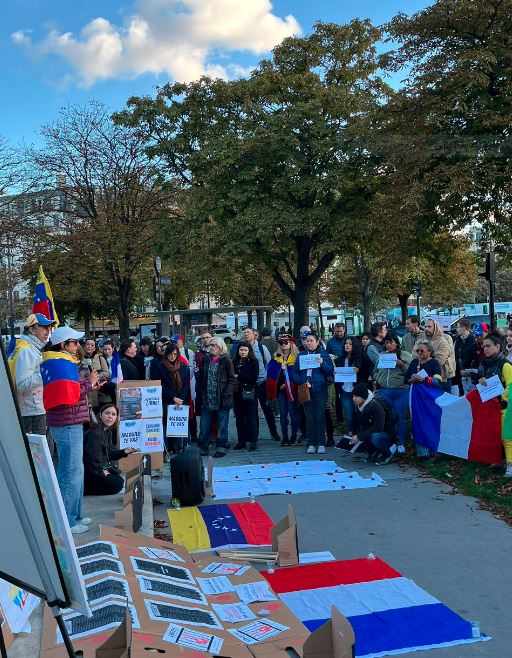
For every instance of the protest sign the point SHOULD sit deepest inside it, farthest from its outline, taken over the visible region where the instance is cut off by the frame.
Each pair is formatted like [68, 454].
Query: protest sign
[151, 402]
[493, 388]
[309, 361]
[387, 360]
[140, 402]
[177, 420]
[345, 375]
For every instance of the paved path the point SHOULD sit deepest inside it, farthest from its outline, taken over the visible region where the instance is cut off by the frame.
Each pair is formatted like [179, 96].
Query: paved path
[443, 542]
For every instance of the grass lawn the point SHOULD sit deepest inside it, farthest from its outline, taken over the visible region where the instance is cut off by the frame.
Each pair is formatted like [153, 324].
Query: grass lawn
[478, 480]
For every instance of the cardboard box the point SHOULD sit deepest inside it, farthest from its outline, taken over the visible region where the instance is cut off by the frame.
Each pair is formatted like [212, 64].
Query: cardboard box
[285, 540]
[151, 631]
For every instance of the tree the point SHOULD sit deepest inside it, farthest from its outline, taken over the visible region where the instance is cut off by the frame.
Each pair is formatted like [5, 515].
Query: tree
[449, 127]
[272, 165]
[111, 199]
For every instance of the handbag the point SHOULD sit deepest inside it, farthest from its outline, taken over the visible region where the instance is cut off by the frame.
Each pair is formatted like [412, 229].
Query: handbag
[248, 396]
[303, 393]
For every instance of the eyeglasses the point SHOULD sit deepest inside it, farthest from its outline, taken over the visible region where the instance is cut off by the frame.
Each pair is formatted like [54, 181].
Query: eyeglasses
[422, 351]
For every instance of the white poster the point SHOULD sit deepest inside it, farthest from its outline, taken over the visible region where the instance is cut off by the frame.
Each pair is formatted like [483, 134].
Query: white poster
[493, 388]
[17, 605]
[177, 420]
[145, 434]
[387, 360]
[345, 374]
[309, 361]
[151, 401]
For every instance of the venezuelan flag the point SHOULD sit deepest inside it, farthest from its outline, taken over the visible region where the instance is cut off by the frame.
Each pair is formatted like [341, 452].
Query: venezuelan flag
[61, 385]
[43, 298]
[206, 527]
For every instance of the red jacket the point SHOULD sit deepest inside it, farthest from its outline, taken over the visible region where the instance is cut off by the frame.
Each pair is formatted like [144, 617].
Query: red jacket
[71, 414]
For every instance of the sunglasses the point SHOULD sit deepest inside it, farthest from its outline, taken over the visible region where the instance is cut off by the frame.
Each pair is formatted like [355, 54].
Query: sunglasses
[284, 342]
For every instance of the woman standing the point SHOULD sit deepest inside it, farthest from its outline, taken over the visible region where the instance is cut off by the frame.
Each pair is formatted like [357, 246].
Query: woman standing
[94, 360]
[425, 369]
[313, 384]
[175, 378]
[281, 387]
[65, 400]
[493, 364]
[101, 478]
[127, 353]
[351, 358]
[216, 381]
[246, 369]
[392, 386]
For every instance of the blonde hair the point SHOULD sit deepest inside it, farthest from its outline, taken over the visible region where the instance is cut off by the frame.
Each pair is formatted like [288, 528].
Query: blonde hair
[293, 349]
[217, 340]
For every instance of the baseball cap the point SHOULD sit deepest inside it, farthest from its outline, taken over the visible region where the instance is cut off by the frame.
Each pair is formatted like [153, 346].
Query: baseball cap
[62, 334]
[305, 331]
[38, 318]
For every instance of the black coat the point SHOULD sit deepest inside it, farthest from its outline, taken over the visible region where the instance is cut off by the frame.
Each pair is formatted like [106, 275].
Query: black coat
[98, 452]
[368, 421]
[168, 390]
[465, 353]
[225, 384]
[129, 368]
[247, 371]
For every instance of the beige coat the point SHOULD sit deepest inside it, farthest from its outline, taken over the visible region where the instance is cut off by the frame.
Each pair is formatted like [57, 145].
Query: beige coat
[444, 351]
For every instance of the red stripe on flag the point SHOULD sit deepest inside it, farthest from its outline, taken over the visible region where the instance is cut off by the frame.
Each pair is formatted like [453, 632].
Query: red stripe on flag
[255, 523]
[485, 443]
[42, 307]
[60, 392]
[329, 574]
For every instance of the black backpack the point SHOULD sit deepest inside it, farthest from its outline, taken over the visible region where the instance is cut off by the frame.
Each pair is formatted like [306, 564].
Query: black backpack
[391, 416]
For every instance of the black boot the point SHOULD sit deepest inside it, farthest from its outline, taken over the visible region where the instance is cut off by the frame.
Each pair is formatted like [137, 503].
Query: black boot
[252, 447]
[239, 446]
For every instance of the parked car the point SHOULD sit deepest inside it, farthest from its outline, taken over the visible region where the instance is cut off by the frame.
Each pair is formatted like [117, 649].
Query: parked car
[228, 335]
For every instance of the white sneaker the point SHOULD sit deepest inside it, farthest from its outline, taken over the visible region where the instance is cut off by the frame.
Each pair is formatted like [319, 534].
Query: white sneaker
[311, 450]
[78, 528]
[85, 521]
[321, 450]
[508, 472]
[401, 450]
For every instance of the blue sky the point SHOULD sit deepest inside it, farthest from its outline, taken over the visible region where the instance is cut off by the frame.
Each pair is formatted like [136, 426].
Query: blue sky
[57, 53]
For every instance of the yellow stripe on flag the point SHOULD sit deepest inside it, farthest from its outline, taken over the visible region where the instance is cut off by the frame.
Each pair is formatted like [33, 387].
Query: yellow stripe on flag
[188, 529]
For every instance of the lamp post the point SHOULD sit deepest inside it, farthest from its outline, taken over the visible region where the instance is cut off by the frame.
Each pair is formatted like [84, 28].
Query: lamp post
[158, 270]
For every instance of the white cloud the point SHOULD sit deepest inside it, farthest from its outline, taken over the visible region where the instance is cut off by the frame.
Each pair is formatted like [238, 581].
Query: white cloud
[174, 37]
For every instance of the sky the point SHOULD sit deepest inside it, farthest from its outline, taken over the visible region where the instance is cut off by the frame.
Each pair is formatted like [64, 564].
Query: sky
[59, 53]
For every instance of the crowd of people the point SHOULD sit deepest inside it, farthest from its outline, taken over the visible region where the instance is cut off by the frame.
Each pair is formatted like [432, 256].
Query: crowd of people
[65, 385]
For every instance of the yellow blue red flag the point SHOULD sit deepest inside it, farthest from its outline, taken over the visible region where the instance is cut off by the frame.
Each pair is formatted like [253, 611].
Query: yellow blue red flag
[43, 298]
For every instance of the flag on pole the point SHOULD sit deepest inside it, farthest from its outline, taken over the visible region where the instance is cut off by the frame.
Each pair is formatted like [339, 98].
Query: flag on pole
[115, 367]
[43, 298]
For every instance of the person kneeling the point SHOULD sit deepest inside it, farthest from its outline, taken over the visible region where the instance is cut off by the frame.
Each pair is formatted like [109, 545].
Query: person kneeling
[369, 426]
[101, 477]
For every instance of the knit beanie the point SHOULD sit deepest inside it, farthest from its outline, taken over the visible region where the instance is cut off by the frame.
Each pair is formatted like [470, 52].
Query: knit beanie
[360, 390]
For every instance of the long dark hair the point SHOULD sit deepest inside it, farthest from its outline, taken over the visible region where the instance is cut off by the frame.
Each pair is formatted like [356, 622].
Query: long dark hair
[395, 339]
[354, 355]
[237, 358]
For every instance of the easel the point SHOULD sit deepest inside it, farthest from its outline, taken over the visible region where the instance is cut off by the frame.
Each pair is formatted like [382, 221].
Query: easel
[31, 561]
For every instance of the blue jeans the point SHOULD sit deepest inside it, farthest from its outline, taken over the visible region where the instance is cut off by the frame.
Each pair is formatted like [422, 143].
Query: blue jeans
[382, 442]
[205, 428]
[288, 408]
[398, 398]
[315, 418]
[347, 404]
[70, 470]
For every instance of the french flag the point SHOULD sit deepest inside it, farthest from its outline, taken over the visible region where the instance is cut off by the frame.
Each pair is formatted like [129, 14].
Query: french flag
[390, 614]
[115, 368]
[463, 427]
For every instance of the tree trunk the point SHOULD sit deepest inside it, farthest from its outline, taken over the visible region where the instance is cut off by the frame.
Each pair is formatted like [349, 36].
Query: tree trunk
[402, 300]
[87, 326]
[123, 307]
[300, 303]
[260, 321]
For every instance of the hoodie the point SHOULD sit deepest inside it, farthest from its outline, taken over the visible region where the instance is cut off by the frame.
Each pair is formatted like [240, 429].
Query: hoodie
[443, 351]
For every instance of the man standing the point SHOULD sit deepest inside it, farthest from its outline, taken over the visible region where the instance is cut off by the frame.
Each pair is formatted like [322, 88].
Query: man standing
[143, 358]
[443, 350]
[335, 346]
[263, 356]
[465, 356]
[267, 340]
[412, 324]
[24, 366]
[378, 331]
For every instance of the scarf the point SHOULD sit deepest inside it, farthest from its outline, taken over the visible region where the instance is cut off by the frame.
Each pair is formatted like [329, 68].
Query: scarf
[59, 372]
[174, 371]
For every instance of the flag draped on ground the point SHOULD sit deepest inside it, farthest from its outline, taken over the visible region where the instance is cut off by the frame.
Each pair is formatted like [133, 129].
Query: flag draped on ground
[390, 614]
[463, 427]
[59, 371]
[43, 298]
[237, 525]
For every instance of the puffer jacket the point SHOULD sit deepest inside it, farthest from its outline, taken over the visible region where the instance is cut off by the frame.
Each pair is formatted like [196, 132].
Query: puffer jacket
[71, 414]
[393, 377]
[24, 366]
[320, 377]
